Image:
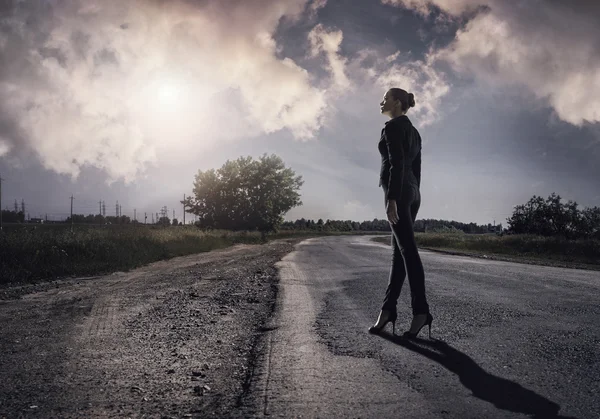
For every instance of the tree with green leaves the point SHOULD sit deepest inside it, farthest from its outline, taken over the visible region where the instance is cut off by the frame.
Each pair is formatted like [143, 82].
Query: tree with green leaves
[245, 194]
[551, 217]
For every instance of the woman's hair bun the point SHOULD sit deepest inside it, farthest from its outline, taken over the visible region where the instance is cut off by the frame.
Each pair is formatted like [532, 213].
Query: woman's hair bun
[411, 100]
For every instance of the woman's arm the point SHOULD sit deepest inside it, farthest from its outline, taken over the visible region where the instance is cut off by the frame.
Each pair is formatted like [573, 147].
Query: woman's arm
[416, 168]
[394, 139]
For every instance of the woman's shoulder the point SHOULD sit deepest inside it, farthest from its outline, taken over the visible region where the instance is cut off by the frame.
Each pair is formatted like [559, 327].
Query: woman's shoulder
[398, 126]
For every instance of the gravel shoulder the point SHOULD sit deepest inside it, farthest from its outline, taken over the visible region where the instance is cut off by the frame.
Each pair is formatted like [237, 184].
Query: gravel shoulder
[174, 338]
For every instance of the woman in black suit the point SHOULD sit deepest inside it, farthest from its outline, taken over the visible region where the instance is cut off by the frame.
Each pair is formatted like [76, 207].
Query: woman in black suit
[400, 177]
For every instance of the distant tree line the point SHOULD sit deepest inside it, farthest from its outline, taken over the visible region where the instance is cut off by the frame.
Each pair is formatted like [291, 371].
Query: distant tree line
[299, 224]
[111, 219]
[13, 216]
[18, 217]
[425, 225]
[100, 219]
[551, 217]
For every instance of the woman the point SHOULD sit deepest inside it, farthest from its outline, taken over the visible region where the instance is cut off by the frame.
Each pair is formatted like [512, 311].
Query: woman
[400, 177]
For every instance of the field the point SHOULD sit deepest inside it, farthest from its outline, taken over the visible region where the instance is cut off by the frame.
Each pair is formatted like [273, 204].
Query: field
[47, 251]
[527, 248]
[42, 252]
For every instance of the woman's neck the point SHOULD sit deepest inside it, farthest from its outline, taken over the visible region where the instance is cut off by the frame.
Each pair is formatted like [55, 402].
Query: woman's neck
[396, 115]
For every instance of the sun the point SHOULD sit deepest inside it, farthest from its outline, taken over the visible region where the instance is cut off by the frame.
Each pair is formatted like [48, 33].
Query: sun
[169, 93]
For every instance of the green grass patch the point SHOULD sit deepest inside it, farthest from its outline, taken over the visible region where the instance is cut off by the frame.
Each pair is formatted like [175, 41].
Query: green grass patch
[29, 254]
[33, 254]
[520, 246]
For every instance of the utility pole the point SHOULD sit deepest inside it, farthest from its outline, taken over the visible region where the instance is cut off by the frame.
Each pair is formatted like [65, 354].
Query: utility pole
[183, 209]
[120, 210]
[16, 207]
[152, 218]
[103, 209]
[100, 206]
[23, 207]
[71, 212]
[134, 214]
[145, 218]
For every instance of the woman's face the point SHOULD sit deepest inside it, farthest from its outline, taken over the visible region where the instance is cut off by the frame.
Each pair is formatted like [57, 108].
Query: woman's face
[388, 104]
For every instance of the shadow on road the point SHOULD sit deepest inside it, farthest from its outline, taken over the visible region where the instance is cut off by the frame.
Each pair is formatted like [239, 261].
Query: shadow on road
[503, 393]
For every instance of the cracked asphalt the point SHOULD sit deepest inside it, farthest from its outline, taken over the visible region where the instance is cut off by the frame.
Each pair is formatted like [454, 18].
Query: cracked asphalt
[509, 340]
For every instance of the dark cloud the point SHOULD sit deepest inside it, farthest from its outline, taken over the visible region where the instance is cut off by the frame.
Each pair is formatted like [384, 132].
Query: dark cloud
[106, 56]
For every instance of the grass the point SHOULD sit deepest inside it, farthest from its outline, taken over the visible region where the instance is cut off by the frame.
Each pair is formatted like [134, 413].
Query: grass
[30, 254]
[546, 250]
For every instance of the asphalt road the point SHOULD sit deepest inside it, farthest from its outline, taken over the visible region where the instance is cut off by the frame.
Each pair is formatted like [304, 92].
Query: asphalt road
[508, 340]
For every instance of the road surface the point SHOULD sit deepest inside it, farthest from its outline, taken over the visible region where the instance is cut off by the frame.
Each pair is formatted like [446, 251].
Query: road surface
[508, 340]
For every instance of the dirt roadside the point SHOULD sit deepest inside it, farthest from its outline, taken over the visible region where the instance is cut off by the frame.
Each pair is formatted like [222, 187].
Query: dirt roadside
[172, 339]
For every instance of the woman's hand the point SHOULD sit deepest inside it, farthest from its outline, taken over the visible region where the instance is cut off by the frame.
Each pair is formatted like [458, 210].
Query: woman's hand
[392, 211]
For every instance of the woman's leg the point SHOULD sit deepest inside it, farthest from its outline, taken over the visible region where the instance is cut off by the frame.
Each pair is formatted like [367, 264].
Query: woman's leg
[406, 261]
[396, 278]
[417, 281]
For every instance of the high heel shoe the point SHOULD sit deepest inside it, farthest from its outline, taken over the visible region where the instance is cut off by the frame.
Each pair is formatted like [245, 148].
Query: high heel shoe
[384, 318]
[428, 321]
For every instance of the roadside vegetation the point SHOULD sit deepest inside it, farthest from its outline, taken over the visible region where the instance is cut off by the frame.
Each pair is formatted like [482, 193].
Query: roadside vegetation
[518, 247]
[542, 230]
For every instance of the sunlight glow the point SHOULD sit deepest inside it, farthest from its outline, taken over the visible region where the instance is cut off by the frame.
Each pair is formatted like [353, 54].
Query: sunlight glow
[169, 93]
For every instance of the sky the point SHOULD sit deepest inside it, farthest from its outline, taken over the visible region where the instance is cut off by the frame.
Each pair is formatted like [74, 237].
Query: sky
[126, 101]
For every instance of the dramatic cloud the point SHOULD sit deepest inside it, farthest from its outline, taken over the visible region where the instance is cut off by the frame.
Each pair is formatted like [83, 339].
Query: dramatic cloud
[315, 6]
[426, 7]
[116, 84]
[552, 48]
[4, 146]
[328, 42]
[419, 77]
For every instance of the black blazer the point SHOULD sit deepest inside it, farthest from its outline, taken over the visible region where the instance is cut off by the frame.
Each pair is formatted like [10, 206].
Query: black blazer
[400, 149]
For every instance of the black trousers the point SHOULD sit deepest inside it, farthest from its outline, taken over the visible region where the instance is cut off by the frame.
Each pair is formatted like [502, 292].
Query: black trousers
[405, 257]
